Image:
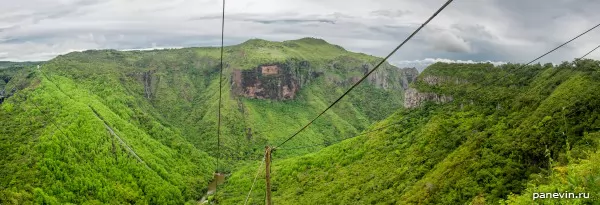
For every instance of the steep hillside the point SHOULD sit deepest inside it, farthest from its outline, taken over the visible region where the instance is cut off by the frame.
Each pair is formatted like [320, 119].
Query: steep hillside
[467, 138]
[62, 144]
[269, 89]
[8, 71]
[110, 126]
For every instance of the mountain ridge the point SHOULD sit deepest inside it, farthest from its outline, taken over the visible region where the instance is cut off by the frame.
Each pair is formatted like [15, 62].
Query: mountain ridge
[483, 147]
[163, 104]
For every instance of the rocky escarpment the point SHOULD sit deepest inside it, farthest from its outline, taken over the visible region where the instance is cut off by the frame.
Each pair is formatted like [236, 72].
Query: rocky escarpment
[149, 80]
[439, 80]
[408, 76]
[413, 98]
[386, 79]
[280, 81]
[4, 95]
[391, 78]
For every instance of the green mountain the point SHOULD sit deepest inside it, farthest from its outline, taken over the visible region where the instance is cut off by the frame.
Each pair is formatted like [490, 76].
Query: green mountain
[470, 134]
[115, 127]
[108, 126]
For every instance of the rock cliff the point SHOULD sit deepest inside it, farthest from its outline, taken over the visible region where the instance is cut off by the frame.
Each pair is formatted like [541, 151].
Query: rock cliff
[413, 98]
[149, 80]
[282, 81]
[278, 81]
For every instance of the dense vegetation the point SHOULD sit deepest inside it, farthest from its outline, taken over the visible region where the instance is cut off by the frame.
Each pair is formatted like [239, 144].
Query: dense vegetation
[8, 70]
[112, 127]
[57, 150]
[10, 64]
[499, 141]
[109, 126]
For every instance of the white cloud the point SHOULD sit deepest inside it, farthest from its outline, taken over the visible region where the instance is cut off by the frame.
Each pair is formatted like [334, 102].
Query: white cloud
[497, 30]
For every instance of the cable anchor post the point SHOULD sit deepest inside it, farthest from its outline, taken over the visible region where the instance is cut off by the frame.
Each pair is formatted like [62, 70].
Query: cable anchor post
[268, 150]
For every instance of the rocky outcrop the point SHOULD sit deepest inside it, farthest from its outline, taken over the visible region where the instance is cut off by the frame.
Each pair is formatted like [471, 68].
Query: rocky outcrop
[269, 70]
[4, 95]
[387, 79]
[282, 81]
[409, 75]
[413, 98]
[149, 80]
[379, 78]
[273, 81]
[439, 80]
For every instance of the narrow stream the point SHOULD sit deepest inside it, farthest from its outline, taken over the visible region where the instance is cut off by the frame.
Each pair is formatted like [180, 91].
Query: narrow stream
[218, 178]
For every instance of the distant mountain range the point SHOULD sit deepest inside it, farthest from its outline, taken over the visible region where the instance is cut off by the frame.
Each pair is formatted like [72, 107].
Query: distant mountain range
[10, 64]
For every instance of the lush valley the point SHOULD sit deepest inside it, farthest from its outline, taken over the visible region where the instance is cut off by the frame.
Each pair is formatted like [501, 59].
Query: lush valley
[468, 138]
[108, 126]
[114, 127]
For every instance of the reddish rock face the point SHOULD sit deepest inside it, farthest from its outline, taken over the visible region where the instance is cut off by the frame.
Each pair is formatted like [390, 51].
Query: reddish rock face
[274, 82]
[270, 70]
[289, 92]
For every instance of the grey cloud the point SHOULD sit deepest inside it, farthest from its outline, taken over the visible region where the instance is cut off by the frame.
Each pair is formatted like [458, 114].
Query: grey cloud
[268, 19]
[61, 10]
[338, 15]
[447, 41]
[474, 31]
[390, 13]
[293, 21]
[496, 30]
[209, 17]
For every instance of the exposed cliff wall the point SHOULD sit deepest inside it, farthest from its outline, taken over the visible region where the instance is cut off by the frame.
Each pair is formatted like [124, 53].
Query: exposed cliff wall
[390, 77]
[413, 98]
[280, 81]
[439, 80]
[409, 75]
[149, 80]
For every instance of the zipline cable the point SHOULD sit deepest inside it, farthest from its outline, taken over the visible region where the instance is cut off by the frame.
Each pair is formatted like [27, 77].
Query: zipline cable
[254, 182]
[220, 95]
[588, 53]
[369, 73]
[329, 142]
[51, 121]
[522, 66]
[480, 87]
[42, 112]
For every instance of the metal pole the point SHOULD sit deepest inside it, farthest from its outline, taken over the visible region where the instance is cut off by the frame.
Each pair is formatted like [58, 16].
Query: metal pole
[268, 173]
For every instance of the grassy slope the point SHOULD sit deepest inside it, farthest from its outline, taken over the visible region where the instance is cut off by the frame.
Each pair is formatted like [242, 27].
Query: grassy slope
[169, 131]
[79, 163]
[505, 142]
[186, 95]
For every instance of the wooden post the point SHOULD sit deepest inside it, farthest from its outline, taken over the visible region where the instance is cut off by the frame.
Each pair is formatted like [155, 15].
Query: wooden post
[268, 173]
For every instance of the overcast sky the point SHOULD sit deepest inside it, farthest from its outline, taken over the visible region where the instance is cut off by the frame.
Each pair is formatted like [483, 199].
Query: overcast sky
[468, 30]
